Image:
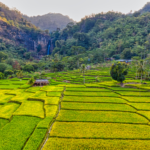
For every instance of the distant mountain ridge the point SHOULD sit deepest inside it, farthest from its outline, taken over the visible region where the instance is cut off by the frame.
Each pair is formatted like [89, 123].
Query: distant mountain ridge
[50, 21]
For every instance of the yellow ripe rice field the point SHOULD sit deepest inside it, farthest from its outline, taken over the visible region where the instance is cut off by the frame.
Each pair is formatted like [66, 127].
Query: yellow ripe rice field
[74, 117]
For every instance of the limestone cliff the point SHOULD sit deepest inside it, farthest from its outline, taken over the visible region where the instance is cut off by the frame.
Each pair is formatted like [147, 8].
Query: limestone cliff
[28, 39]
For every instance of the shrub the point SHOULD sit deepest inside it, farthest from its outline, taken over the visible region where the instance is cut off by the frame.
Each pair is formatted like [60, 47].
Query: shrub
[1, 75]
[3, 67]
[28, 68]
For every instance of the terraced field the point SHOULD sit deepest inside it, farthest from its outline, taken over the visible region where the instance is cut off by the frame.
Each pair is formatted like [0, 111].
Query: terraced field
[66, 116]
[26, 115]
[101, 118]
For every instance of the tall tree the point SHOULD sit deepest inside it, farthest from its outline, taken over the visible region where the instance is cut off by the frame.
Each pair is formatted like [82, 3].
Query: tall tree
[118, 71]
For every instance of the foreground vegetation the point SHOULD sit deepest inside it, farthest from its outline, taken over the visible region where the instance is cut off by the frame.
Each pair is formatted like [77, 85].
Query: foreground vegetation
[88, 112]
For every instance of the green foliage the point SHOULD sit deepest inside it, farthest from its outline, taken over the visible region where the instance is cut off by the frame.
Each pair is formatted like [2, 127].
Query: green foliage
[8, 72]
[92, 130]
[31, 81]
[3, 122]
[93, 100]
[3, 56]
[8, 109]
[118, 71]
[91, 94]
[1, 75]
[27, 108]
[20, 127]
[83, 144]
[3, 67]
[36, 139]
[96, 106]
[83, 68]
[100, 116]
[28, 68]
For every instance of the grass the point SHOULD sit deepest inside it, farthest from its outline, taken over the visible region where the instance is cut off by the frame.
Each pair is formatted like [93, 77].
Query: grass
[51, 100]
[36, 139]
[93, 100]
[31, 108]
[3, 122]
[52, 89]
[33, 89]
[141, 106]
[95, 144]
[15, 92]
[88, 89]
[14, 134]
[39, 95]
[125, 89]
[96, 106]
[137, 99]
[145, 113]
[94, 85]
[100, 116]
[21, 97]
[51, 110]
[9, 86]
[5, 98]
[54, 94]
[45, 122]
[75, 86]
[91, 94]
[100, 130]
[137, 94]
[6, 111]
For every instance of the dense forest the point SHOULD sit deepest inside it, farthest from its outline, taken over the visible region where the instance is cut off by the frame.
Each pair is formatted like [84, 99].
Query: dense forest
[50, 21]
[95, 39]
[101, 36]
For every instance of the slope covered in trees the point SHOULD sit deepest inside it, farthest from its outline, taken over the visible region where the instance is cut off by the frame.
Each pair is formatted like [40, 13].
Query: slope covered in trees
[50, 21]
[102, 36]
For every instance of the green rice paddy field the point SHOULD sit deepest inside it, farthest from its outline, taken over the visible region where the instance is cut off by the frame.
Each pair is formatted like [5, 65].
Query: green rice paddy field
[74, 116]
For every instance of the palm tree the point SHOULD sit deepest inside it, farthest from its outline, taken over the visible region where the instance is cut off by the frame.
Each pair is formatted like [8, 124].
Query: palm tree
[19, 74]
[31, 81]
[83, 67]
[141, 69]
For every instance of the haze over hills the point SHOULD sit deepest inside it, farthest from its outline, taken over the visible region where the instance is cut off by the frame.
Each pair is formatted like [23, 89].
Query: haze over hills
[50, 21]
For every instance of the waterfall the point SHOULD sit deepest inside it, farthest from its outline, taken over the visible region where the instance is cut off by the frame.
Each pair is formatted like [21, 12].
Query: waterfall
[48, 49]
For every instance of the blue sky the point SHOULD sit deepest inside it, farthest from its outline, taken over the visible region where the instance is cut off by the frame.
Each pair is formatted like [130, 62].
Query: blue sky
[75, 9]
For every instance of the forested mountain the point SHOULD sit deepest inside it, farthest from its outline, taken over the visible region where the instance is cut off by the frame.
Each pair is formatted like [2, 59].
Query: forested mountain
[50, 21]
[104, 35]
[95, 39]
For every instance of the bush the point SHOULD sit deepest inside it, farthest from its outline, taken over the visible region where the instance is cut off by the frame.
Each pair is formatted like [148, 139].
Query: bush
[28, 68]
[1, 75]
[8, 72]
[3, 67]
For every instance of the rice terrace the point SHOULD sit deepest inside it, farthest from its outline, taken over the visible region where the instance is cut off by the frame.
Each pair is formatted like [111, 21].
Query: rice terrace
[72, 81]
[75, 115]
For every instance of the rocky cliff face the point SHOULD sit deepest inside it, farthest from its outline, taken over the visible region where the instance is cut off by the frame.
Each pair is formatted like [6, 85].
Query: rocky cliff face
[29, 40]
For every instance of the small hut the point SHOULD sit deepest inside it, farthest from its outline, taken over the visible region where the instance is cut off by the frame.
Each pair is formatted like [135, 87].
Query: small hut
[41, 82]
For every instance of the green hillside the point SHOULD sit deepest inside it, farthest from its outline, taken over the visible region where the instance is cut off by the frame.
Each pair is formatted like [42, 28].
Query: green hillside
[105, 35]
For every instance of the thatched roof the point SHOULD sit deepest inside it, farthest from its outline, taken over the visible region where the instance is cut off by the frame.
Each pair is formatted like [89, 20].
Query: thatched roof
[44, 81]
